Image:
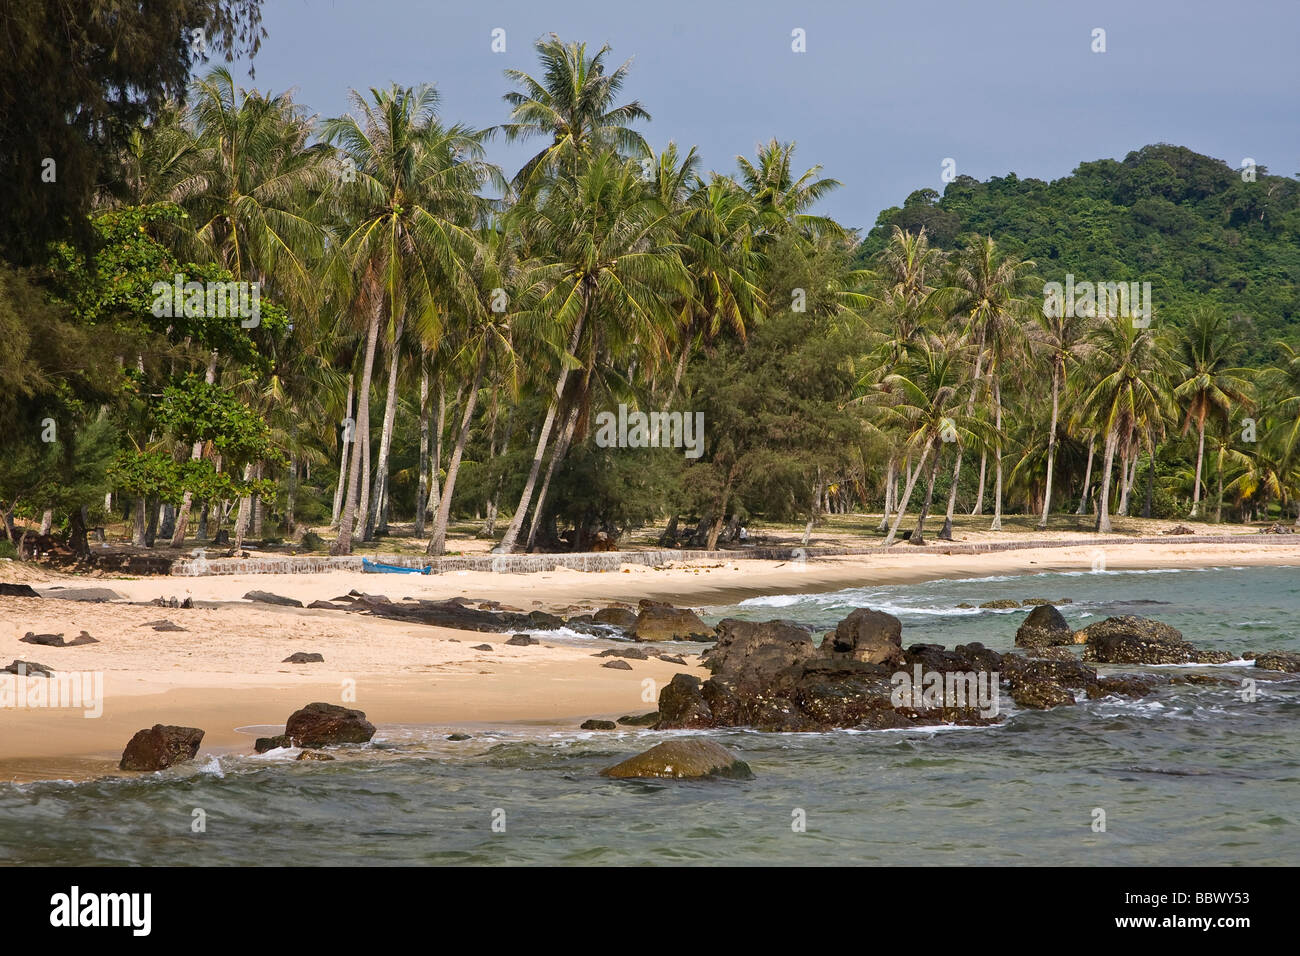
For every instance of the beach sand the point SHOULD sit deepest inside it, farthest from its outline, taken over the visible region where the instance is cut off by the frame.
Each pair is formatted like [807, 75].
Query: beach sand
[224, 672]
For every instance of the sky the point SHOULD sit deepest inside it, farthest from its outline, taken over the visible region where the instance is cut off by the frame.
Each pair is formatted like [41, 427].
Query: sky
[883, 93]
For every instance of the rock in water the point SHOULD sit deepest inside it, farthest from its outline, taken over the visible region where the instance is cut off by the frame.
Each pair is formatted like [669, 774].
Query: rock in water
[1279, 661]
[872, 637]
[615, 617]
[318, 725]
[266, 597]
[644, 720]
[663, 622]
[681, 760]
[682, 704]
[1001, 604]
[598, 725]
[757, 652]
[263, 744]
[1138, 640]
[314, 755]
[161, 746]
[1044, 627]
[1039, 694]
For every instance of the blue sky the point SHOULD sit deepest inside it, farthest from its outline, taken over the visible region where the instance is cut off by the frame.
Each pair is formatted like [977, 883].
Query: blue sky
[884, 93]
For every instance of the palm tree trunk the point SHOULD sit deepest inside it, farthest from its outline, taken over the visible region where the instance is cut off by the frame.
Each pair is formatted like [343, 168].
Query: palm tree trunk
[343, 543]
[918, 536]
[1051, 447]
[376, 520]
[997, 454]
[1087, 477]
[889, 493]
[557, 456]
[438, 543]
[138, 536]
[507, 544]
[1200, 457]
[1218, 507]
[435, 461]
[907, 497]
[245, 511]
[422, 484]
[348, 437]
[196, 452]
[979, 497]
[1103, 502]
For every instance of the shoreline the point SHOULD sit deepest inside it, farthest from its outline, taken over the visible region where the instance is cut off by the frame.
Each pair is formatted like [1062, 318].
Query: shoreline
[225, 670]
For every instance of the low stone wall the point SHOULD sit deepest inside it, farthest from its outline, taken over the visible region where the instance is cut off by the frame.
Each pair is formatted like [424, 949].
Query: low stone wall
[613, 560]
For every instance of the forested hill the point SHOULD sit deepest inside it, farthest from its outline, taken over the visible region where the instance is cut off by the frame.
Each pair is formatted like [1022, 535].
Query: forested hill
[1193, 226]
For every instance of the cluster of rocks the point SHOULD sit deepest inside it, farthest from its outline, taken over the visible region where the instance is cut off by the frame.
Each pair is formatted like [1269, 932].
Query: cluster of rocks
[56, 640]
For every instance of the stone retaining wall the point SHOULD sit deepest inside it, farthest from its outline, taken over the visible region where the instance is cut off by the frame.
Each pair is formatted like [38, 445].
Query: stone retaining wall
[613, 560]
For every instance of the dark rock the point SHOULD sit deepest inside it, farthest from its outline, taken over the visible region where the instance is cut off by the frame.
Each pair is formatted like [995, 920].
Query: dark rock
[314, 755]
[1044, 626]
[964, 657]
[1000, 604]
[319, 724]
[459, 737]
[615, 617]
[325, 606]
[966, 606]
[522, 640]
[661, 622]
[263, 744]
[45, 640]
[682, 704]
[27, 668]
[1279, 661]
[871, 637]
[1069, 673]
[17, 590]
[1126, 685]
[304, 657]
[1138, 640]
[1039, 694]
[672, 659]
[635, 653]
[598, 725]
[618, 665]
[166, 626]
[682, 759]
[1051, 653]
[542, 621]
[266, 597]
[82, 638]
[161, 746]
[755, 652]
[481, 647]
[83, 594]
[644, 720]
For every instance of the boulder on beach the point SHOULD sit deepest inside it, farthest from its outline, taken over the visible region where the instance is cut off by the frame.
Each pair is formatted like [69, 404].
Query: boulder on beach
[17, 590]
[25, 668]
[682, 704]
[681, 760]
[1279, 661]
[304, 657]
[635, 653]
[266, 597]
[663, 622]
[319, 724]
[93, 595]
[872, 637]
[481, 647]
[1044, 626]
[615, 617]
[618, 665]
[1130, 639]
[160, 747]
[522, 640]
[45, 640]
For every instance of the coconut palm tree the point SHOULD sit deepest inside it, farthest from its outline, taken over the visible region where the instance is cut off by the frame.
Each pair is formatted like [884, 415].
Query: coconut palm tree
[1062, 338]
[1207, 345]
[781, 199]
[409, 191]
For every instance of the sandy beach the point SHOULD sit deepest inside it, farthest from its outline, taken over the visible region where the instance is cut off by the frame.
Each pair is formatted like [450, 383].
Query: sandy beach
[223, 673]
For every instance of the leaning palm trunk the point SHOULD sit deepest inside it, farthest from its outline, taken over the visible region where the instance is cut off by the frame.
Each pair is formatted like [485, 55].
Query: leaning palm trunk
[997, 456]
[889, 494]
[422, 484]
[348, 433]
[1103, 501]
[1087, 477]
[376, 515]
[918, 536]
[945, 533]
[1200, 457]
[438, 543]
[1051, 447]
[343, 543]
[557, 456]
[517, 519]
[907, 496]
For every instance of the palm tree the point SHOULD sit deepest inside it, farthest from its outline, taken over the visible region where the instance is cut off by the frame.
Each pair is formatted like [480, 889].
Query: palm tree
[1206, 347]
[572, 105]
[1131, 369]
[780, 198]
[1063, 337]
[411, 199]
[609, 245]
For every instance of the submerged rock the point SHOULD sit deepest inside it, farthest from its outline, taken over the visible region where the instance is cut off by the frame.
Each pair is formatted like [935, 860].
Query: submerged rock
[1138, 640]
[681, 760]
[320, 724]
[644, 720]
[278, 742]
[1039, 694]
[1000, 604]
[1279, 661]
[160, 747]
[314, 755]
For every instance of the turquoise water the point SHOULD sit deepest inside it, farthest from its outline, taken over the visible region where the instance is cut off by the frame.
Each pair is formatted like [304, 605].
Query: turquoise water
[1193, 775]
